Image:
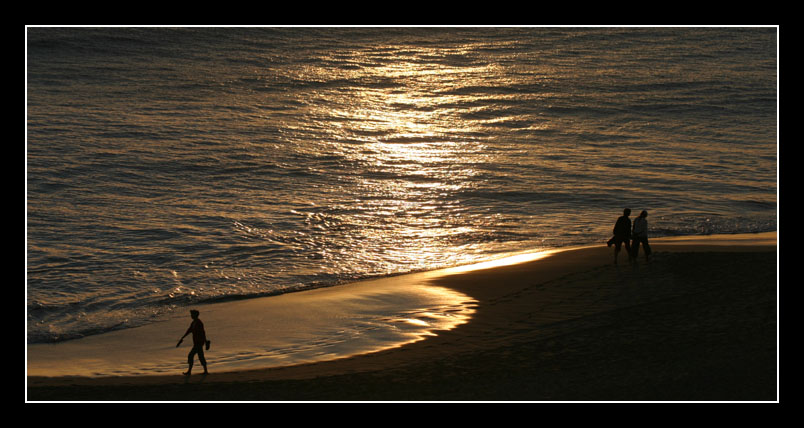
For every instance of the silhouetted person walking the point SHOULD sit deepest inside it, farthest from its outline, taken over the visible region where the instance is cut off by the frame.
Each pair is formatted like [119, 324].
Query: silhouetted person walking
[199, 341]
[622, 234]
[639, 235]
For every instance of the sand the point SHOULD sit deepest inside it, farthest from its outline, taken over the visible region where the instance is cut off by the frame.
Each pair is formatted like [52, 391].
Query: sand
[699, 322]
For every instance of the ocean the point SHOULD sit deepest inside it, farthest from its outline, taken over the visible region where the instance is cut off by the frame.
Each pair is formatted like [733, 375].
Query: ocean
[171, 167]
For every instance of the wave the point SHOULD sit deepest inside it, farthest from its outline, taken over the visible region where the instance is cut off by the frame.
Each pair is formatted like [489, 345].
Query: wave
[43, 326]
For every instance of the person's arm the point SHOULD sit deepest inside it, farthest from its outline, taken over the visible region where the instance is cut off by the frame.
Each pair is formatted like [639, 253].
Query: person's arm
[189, 330]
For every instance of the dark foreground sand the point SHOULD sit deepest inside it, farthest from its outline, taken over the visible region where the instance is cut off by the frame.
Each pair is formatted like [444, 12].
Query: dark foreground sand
[697, 323]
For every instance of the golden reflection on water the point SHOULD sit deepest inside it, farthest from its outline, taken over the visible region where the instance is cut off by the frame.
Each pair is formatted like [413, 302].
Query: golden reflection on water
[414, 147]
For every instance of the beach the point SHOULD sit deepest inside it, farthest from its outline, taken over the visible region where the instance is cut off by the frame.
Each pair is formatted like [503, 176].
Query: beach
[699, 322]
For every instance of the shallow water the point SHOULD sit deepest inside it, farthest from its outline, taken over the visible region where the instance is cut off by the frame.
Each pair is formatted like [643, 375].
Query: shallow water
[294, 328]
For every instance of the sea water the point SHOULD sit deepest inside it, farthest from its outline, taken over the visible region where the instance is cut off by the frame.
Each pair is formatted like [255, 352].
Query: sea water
[167, 167]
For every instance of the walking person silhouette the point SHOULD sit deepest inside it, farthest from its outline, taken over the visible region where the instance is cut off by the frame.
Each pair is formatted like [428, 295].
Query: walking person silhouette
[639, 235]
[622, 235]
[199, 341]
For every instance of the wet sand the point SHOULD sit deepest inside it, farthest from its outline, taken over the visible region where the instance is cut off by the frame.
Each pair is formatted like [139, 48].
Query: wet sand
[696, 323]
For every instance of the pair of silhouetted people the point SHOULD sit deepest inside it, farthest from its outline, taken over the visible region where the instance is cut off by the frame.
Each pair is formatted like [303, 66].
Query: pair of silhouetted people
[199, 342]
[632, 237]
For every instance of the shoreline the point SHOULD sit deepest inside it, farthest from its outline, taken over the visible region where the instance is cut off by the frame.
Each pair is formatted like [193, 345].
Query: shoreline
[560, 321]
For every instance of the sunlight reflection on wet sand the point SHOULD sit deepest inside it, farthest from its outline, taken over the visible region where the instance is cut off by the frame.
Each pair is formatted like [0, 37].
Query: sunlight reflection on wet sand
[309, 326]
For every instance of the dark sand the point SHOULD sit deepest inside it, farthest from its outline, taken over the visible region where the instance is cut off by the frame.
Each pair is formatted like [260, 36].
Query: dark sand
[697, 323]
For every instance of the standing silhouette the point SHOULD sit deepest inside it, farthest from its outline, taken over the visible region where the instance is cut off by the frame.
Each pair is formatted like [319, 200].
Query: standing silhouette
[199, 341]
[640, 236]
[622, 234]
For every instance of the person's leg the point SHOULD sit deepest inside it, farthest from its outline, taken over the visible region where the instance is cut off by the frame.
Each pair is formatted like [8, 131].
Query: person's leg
[628, 248]
[190, 358]
[202, 359]
[647, 248]
[634, 248]
[617, 246]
